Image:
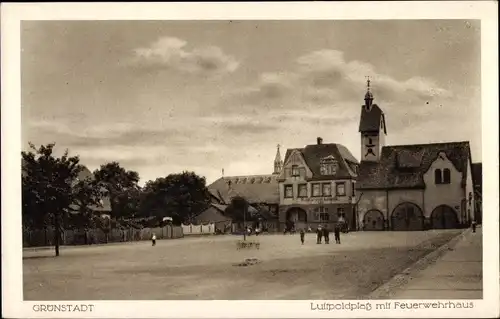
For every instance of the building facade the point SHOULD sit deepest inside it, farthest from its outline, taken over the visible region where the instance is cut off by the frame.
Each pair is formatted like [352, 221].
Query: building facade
[316, 186]
[411, 187]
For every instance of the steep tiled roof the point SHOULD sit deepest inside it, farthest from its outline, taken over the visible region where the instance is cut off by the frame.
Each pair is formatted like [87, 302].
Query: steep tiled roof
[370, 119]
[313, 154]
[255, 188]
[403, 166]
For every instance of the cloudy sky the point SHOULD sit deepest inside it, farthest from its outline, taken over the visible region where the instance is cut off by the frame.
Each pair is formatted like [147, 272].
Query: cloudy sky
[163, 97]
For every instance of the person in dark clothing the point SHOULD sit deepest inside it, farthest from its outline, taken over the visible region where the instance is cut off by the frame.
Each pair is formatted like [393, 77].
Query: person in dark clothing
[302, 235]
[337, 233]
[319, 233]
[474, 224]
[326, 234]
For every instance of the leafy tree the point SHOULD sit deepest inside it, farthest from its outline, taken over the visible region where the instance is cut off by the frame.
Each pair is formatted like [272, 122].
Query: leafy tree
[47, 183]
[121, 186]
[87, 196]
[181, 196]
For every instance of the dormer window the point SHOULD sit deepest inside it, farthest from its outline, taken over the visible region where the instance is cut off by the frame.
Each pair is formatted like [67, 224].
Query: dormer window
[295, 170]
[328, 165]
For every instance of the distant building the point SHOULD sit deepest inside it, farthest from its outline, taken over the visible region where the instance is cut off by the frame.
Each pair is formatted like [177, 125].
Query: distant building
[316, 186]
[411, 187]
[477, 177]
[260, 191]
[215, 214]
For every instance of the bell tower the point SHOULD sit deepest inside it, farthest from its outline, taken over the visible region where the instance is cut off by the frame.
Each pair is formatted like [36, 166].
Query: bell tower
[278, 163]
[372, 128]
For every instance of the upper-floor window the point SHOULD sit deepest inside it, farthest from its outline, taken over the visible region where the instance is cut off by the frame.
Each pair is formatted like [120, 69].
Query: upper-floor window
[303, 190]
[442, 177]
[327, 189]
[437, 176]
[288, 191]
[316, 190]
[370, 141]
[321, 214]
[295, 170]
[340, 189]
[446, 176]
[328, 165]
[353, 191]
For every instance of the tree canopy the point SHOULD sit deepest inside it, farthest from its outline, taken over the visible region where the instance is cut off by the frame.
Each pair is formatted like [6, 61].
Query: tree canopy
[180, 196]
[48, 187]
[122, 188]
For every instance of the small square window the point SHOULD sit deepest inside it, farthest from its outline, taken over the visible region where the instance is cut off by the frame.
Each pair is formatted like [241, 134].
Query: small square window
[288, 191]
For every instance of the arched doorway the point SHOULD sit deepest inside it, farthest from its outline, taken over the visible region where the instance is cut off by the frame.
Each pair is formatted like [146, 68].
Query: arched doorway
[444, 217]
[297, 217]
[406, 217]
[373, 220]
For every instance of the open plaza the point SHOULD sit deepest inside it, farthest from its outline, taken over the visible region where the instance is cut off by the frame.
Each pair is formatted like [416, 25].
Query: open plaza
[363, 266]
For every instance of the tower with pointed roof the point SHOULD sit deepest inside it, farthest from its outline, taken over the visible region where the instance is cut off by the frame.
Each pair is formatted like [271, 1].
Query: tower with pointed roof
[372, 128]
[278, 163]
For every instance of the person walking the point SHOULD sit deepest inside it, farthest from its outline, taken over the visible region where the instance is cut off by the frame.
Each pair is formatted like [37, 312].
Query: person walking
[153, 239]
[319, 233]
[474, 225]
[326, 234]
[336, 231]
[302, 235]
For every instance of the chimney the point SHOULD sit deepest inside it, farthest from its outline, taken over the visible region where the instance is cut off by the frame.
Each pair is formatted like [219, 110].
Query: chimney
[319, 140]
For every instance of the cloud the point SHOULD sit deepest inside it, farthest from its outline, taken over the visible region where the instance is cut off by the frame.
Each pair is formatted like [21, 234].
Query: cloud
[323, 86]
[171, 53]
[120, 134]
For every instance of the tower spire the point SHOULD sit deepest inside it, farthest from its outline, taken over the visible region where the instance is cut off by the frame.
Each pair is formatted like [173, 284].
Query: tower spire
[278, 163]
[368, 95]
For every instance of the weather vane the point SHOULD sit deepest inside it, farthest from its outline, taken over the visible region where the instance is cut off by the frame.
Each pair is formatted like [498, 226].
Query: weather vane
[368, 82]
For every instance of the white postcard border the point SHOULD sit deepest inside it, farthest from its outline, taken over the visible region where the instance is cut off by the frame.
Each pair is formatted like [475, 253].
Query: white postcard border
[12, 14]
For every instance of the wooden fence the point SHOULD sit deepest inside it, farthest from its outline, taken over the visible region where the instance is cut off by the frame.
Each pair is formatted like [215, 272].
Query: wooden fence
[45, 237]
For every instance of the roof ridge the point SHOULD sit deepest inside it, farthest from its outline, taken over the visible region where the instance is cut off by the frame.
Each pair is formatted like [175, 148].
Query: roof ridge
[427, 144]
[239, 176]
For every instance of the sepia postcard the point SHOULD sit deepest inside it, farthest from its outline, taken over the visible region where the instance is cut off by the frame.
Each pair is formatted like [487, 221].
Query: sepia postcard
[257, 160]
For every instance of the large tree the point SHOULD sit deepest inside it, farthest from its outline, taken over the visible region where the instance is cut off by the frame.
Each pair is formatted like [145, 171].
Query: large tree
[47, 183]
[180, 196]
[121, 186]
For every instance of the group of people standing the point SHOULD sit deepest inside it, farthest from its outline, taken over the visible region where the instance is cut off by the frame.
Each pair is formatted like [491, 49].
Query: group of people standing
[323, 232]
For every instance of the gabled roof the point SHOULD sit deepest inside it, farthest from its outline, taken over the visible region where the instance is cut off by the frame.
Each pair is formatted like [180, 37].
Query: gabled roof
[212, 214]
[403, 166]
[313, 154]
[255, 189]
[371, 118]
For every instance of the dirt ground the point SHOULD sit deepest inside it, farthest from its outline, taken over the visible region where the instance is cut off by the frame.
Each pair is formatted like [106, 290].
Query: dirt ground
[207, 268]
